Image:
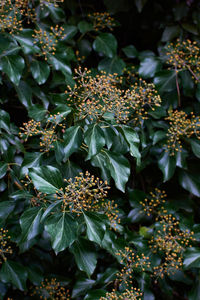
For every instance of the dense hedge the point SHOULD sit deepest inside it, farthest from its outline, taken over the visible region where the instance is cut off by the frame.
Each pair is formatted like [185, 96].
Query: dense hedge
[99, 145]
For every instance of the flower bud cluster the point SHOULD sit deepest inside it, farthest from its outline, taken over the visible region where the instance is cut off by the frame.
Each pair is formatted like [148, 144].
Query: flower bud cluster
[102, 20]
[140, 96]
[51, 289]
[181, 125]
[47, 134]
[10, 17]
[48, 41]
[154, 203]
[87, 193]
[99, 96]
[170, 242]
[184, 55]
[132, 263]
[128, 294]
[4, 248]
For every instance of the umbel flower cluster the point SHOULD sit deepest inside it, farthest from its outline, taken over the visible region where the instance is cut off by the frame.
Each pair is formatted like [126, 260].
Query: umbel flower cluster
[102, 20]
[181, 126]
[132, 263]
[168, 240]
[101, 96]
[154, 203]
[51, 289]
[48, 41]
[129, 294]
[87, 193]
[184, 55]
[4, 248]
[48, 134]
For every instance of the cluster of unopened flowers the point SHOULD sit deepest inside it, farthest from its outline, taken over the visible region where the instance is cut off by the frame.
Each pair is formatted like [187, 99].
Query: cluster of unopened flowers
[184, 55]
[102, 20]
[181, 126]
[5, 249]
[98, 96]
[47, 134]
[48, 40]
[51, 289]
[168, 239]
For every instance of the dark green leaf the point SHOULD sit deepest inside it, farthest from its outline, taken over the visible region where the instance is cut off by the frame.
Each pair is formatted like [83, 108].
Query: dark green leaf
[6, 207]
[14, 273]
[30, 224]
[148, 67]
[84, 26]
[167, 165]
[3, 169]
[112, 65]
[130, 51]
[190, 182]
[192, 258]
[62, 229]
[95, 227]
[94, 139]
[133, 141]
[72, 140]
[46, 179]
[85, 255]
[119, 169]
[13, 67]
[31, 159]
[40, 71]
[106, 43]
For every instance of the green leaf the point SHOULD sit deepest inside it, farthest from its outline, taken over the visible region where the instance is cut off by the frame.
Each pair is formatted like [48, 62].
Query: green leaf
[119, 169]
[14, 273]
[3, 169]
[72, 140]
[37, 112]
[165, 81]
[24, 93]
[13, 66]
[84, 26]
[190, 182]
[94, 139]
[95, 227]
[99, 161]
[85, 255]
[46, 179]
[40, 71]
[195, 144]
[31, 159]
[62, 229]
[130, 51]
[6, 207]
[148, 67]
[30, 224]
[26, 41]
[167, 165]
[170, 33]
[69, 32]
[82, 286]
[112, 65]
[191, 258]
[4, 121]
[132, 139]
[60, 64]
[158, 136]
[106, 43]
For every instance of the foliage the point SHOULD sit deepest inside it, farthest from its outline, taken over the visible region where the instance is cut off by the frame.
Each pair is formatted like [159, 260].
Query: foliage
[88, 112]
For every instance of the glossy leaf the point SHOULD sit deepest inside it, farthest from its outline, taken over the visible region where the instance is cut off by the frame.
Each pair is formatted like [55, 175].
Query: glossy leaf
[85, 255]
[167, 165]
[72, 140]
[46, 179]
[13, 66]
[119, 169]
[95, 227]
[94, 139]
[106, 43]
[40, 71]
[15, 273]
[62, 230]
